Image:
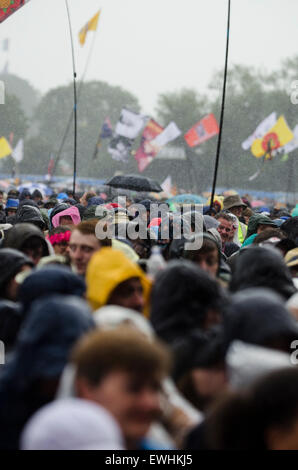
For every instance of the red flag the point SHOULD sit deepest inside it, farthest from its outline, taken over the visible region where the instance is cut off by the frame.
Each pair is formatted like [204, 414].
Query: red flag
[202, 130]
[7, 7]
[146, 152]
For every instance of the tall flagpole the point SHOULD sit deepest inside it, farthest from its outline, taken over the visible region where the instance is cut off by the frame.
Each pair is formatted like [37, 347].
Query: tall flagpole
[75, 102]
[222, 108]
[81, 83]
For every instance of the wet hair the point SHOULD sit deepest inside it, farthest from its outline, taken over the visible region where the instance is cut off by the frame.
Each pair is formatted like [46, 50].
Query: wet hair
[87, 227]
[242, 420]
[268, 233]
[225, 216]
[122, 349]
[59, 229]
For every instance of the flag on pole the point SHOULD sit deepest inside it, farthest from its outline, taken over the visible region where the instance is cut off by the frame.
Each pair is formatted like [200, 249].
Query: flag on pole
[18, 151]
[279, 135]
[288, 148]
[146, 152]
[106, 129]
[8, 7]
[171, 132]
[119, 148]
[130, 124]
[261, 130]
[167, 185]
[5, 148]
[202, 131]
[90, 26]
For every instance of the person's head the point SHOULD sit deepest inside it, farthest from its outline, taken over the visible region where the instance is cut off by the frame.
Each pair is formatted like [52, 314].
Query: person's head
[84, 243]
[28, 239]
[207, 257]
[12, 263]
[114, 279]
[86, 196]
[259, 316]
[262, 267]
[269, 235]
[247, 214]
[265, 417]
[11, 207]
[234, 204]
[122, 371]
[59, 238]
[227, 227]
[184, 298]
[69, 216]
[37, 195]
[128, 294]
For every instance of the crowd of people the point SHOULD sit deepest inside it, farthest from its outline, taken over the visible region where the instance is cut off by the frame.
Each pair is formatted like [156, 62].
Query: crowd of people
[118, 336]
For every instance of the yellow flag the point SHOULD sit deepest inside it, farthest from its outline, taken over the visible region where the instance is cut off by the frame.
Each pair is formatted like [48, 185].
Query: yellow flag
[90, 26]
[5, 148]
[278, 136]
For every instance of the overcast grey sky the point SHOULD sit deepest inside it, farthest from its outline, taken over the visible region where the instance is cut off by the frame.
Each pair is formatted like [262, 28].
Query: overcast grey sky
[148, 47]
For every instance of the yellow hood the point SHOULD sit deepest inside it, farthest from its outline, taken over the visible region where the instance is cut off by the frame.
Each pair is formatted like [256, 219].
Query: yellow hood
[106, 270]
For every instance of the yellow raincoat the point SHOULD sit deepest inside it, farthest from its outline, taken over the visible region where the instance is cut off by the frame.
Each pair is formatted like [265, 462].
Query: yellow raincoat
[106, 270]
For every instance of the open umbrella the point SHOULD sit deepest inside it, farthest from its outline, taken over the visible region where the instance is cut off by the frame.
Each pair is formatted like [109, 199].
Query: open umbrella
[135, 183]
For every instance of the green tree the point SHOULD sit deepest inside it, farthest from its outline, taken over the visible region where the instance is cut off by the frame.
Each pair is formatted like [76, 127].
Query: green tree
[27, 95]
[97, 100]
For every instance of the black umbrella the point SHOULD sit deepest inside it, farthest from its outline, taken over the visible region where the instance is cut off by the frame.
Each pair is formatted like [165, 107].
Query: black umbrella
[134, 183]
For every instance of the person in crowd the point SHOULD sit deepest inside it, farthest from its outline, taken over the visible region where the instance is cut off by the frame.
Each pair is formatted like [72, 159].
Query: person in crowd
[235, 205]
[83, 243]
[227, 227]
[122, 371]
[262, 267]
[59, 238]
[28, 239]
[264, 417]
[30, 378]
[113, 279]
[11, 207]
[12, 262]
[72, 424]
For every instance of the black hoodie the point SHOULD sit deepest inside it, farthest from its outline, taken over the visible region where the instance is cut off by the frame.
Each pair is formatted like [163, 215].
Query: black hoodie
[16, 236]
[181, 298]
[30, 214]
[262, 267]
[259, 316]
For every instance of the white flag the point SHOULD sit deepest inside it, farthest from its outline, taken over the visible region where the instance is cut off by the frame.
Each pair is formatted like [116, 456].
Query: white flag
[171, 132]
[167, 185]
[18, 151]
[130, 124]
[261, 130]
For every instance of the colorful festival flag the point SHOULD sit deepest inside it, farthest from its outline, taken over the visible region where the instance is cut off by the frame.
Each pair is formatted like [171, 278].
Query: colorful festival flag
[260, 131]
[278, 136]
[171, 132]
[90, 26]
[119, 148]
[130, 124]
[106, 129]
[146, 152]
[202, 131]
[288, 148]
[5, 148]
[7, 7]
